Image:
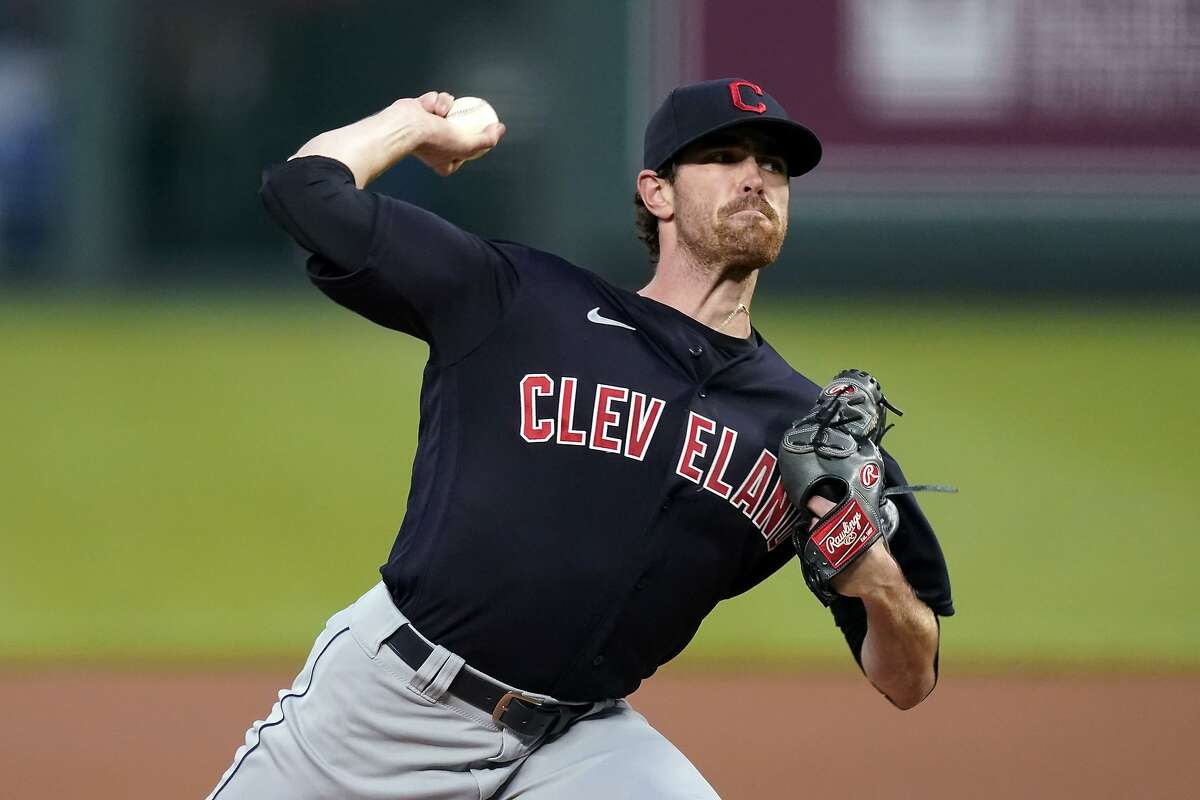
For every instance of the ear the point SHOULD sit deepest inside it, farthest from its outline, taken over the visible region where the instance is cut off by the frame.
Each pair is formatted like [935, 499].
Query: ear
[657, 194]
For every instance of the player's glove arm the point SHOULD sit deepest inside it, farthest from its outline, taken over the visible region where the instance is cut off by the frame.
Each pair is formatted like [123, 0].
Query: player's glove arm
[916, 549]
[831, 464]
[893, 635]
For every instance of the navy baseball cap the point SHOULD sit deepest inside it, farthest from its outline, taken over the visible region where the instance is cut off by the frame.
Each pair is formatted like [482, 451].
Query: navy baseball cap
[698, 109]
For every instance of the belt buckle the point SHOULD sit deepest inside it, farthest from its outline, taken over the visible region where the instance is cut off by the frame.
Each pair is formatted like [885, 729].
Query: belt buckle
[507, 699]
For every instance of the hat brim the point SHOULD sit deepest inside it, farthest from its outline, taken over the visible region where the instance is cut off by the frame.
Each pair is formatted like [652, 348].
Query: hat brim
[801, 147]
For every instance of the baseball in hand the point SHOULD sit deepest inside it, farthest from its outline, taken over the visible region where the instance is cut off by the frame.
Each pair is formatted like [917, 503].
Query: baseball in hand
[472, 115]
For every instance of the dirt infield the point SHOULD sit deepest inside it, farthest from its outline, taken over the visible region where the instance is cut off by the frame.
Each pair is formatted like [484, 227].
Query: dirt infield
[106, 735]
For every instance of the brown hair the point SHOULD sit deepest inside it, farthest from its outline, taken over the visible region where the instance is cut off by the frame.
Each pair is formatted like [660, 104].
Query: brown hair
[645, 223]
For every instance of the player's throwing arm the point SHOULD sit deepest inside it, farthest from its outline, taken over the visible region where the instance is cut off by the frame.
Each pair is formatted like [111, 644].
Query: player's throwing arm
[431, 127]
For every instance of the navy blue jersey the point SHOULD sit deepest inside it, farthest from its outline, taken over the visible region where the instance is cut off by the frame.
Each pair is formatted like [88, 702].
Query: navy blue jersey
[595, 470]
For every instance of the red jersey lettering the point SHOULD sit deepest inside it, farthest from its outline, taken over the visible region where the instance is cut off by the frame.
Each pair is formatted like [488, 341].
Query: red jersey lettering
[566, 414]
[643, 421]
[750, 494]
[782, 530]
[603, 417]
[714, 481]
[774, 510]
[532, 428]
[693, 448]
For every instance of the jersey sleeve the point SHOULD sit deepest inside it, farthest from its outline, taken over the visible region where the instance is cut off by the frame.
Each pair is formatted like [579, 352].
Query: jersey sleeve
[398, 265]
[916, 548]
[850, 615]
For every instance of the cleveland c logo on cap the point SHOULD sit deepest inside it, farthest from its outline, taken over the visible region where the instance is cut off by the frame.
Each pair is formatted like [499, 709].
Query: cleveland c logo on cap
[735, 91]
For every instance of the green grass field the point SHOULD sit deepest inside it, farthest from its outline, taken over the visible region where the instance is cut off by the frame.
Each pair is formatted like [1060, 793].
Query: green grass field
[184, 479]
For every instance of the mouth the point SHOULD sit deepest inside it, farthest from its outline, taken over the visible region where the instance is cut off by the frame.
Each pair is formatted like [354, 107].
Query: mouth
[750, 211]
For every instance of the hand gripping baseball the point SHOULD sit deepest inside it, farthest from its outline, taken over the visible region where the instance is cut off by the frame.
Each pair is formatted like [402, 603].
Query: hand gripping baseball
[834, 452]
[423, 127]
[447, 142]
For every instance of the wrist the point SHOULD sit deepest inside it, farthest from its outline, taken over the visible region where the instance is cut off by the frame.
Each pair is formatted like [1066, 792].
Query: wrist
[884, 583]
[390, 136]
[403, 121]
[373, 145]
[873, 576]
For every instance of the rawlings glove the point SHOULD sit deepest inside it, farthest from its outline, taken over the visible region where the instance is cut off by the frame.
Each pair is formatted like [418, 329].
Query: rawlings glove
[834, 452]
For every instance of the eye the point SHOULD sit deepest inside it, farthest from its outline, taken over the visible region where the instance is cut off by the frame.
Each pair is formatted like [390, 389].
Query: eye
[775, 165]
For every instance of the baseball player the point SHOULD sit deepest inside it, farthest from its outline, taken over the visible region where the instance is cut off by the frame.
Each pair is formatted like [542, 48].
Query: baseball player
[596, 469]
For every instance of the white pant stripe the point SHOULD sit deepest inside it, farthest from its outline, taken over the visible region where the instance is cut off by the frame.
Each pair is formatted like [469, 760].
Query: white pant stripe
[254, 735]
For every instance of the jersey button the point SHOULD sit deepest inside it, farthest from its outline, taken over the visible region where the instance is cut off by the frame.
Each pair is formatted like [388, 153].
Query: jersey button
[597, 661]
[696, 351]
[702, 393]
[641, 584]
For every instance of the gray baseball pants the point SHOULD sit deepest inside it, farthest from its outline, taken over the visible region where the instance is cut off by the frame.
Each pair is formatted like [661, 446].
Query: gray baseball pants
[359, 723]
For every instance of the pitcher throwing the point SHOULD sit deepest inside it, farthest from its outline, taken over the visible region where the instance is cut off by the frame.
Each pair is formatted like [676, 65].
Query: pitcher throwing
[596, 469]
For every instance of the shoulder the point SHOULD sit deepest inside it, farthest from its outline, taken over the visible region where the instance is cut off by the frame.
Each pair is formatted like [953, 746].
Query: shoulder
[786, 376]
[537, 259]
[545, 268]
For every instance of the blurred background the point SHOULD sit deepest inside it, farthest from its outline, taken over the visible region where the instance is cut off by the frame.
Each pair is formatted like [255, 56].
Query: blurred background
[202, 458]
[972, 145]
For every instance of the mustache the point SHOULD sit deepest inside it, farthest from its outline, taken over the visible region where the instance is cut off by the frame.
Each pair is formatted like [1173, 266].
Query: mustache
[751, 203]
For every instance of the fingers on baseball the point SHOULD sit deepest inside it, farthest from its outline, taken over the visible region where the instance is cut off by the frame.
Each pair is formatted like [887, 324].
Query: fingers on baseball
[487, 138]
[484, 141]
[436, 102]
[428, 101]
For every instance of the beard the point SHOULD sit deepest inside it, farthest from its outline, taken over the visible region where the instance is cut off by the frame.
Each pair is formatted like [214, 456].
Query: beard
[746, 242]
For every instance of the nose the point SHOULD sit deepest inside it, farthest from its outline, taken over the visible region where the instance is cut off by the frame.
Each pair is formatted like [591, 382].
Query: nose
[751, 177]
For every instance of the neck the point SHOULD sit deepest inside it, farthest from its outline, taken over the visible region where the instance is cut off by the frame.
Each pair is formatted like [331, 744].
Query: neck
[716, 295]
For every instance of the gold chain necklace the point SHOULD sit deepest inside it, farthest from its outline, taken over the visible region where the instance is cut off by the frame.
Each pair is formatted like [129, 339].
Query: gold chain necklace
[741, 307]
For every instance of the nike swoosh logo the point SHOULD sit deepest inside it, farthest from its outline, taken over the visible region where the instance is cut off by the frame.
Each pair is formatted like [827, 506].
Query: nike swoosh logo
[594, 316]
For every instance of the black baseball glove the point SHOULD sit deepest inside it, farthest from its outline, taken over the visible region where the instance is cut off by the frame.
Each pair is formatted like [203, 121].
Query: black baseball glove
[834, 452]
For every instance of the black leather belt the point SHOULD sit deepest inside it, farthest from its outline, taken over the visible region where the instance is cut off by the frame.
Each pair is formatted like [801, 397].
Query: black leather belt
[520, 712]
